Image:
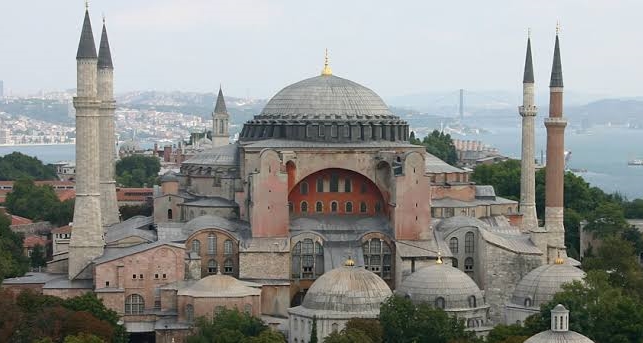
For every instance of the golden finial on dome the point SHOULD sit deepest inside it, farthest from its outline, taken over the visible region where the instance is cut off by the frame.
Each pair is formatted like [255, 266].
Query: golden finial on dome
[326, 71]
[439, 260]
[349, 262]
[559, 260]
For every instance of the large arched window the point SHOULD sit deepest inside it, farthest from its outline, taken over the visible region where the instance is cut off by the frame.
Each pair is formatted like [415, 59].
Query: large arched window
[307, 260]
[212, 267]
[454, 262]
[134, 304]
[227, 247]
[189, 312]
[472, 301]
[333, 206]
[212, 244]
[196, 246]
[440, 303]
[468, 243]
[304, 207]
[319, 207]
[349, 207]
[347, 185]
[377, 257]
[228, 267]
[303, 188]
[528, 302]
[468, 265]
[453, 245]
[320, 185]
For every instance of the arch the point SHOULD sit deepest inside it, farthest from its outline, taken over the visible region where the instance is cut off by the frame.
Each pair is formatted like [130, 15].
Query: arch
[348, 187]
[378, 257]
[349, 207]
[319, 207]
[212, 267]
[333, 207]
[468, 265]
[228, 267]
[362, 207]
[472, 301]
[228, 247]
[169, 214]
[212, 244]
[307, 259]
[134, 304]
[189, 312]
[469, 244]
[440, 303]
[334, 327]
[196, 246]
[303, 188]
[453, 245]
[304, 207]
[454, 262]
[528, 302]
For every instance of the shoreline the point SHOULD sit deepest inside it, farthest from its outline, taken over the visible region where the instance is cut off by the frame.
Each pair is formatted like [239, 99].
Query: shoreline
[34, 144]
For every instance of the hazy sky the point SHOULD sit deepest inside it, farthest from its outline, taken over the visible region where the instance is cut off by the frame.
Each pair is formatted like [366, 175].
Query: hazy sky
[256, 47]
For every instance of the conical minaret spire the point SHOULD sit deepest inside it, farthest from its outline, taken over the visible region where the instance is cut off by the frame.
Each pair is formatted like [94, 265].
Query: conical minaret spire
[87, 233]
[220, 120]
[555, 171]
[107, 141]
[528, 112]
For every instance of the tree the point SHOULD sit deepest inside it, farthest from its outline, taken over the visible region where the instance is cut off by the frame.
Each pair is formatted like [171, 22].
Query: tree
[617, 258]
[38, 258]
[348, 335]
[633, 209]
[38, 203]
[17, 165]
[12, 260]
[607, 219]
[313, 331]
[83, 338]
[129, 211]
[230, 326]
[404, 322]
[371, 327]
[438, 144]
[514, 333]
[137, 171]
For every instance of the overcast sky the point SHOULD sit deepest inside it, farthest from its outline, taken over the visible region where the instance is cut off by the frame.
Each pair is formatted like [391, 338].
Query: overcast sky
[256, 47]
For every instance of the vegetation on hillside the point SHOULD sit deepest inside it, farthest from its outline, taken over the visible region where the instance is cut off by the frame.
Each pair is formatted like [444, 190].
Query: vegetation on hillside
[16, 165]
[137, 171]
[38, 203]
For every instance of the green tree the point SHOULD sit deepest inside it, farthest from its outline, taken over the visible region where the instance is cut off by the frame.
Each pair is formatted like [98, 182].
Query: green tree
[633, 209]
[348, 335]
[137, 171]
[514, 333]
[83, 338]
[17, 165]
[404, 322]
[38, 203]
[38, 258]
[230, 326]
[617, 258]
[438, 144]
[129, 211]
[12, 260]
[607, 219]
[370, 327]
[313, 331]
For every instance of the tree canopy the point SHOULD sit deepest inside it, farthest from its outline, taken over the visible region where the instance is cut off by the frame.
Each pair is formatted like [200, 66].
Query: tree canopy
[38, 203]
[12, 261]
[438, 144]
[17, 165]
[137, 171]
[233, 326]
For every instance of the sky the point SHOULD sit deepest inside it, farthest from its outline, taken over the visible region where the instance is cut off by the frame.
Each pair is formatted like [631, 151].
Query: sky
[256, 47]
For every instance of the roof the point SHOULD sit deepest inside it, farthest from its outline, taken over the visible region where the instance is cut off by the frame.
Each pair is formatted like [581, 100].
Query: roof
[557, 67]
[293, 144]
[485, 191]
[211, 202]
[441, 280]
[347, 289]
[340, 228]
[133, 194]
[169, 177]
[520, 244]
[104, 54]
[62, 229]
[137, 226]
[33, 240]
[18, 220]
[529, 66]
[236, 227]
[110, 254]
[66, 194]
[434, 165]
[425, 248]
[86, 46]
[64, 283]
[32, 278]
[540, 285]
[558, 337]
[220, 107]
[219, 286]
[225, 155]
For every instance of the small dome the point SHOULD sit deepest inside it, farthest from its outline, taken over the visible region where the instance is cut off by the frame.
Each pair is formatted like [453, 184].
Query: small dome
[169, 177]
[219, 286]
[540, 285]
[347, 289]
[558, 337]
[225, 155]
[441, 281]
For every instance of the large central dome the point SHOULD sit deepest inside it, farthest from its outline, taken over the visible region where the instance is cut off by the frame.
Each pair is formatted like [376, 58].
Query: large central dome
[326, 108]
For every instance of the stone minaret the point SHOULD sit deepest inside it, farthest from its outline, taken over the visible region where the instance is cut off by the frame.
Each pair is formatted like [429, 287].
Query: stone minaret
[527, 169]
[555, 125]
[220, 118]
[87, 233]
[106, 134]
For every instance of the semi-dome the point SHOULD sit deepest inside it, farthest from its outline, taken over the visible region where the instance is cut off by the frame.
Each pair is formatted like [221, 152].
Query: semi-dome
[542, 283]
[347, 289]
[443, 286]
[326, 108]
[219, 286]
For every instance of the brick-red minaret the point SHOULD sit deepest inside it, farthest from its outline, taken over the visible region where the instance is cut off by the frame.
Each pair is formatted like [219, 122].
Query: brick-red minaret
[555, 125]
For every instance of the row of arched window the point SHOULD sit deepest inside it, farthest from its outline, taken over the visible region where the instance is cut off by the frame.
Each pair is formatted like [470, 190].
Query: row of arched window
[334, 207]
[333, 185]
[377, 257]
[212, 246]
[468, 265]
[228, 267]
[307, 259]
[469, 244]
[440, 302]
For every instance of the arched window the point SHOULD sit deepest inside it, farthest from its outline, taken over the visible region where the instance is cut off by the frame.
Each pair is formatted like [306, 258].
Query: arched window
[227, 247]
[349, 207]
[472, 301]
[212, 244]
[439, 303]
[468, 265]
[334, 182]
[320, 185]
[454, 262]
[134, 304]
[378, 207]
[196, 246]
[212, 267]
[362, 207]
[347, 185]
[527, 302]
[169, 214]
[471, 323]
[307, 259]
[468, 243]
[319, 207]
[377, 257]
[303, 188]
[228, 267]
[453, 245]
[304, 207]
[333, 206]
[189, 312]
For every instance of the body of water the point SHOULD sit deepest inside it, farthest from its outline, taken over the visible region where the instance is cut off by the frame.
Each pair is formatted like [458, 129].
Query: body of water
[603, 152]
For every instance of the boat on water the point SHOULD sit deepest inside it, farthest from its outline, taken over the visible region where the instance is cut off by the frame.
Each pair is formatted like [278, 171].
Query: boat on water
[635, 162]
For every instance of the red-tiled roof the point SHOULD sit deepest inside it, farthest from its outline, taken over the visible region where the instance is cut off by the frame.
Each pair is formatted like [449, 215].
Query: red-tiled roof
[133, 194]
[62, 229]
[66, 194]
[18, 220]
[33, 240]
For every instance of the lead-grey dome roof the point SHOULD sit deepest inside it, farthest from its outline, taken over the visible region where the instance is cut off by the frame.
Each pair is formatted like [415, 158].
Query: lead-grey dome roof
[347, 289]
[441, 280]
[225, 155]
[322, 108]
[540, 285]
[558, 337]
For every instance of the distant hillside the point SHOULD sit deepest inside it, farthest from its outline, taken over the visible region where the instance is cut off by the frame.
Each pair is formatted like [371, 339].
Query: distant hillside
[614, 111]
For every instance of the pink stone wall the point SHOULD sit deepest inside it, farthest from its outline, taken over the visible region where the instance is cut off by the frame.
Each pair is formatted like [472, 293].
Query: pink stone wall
[412, 200]
[269, 189]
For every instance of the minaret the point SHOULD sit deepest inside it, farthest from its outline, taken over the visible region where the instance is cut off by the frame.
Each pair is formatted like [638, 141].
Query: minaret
[220, 118]
[87, 233]
[527, 168]
[555, 172]
[106, 134]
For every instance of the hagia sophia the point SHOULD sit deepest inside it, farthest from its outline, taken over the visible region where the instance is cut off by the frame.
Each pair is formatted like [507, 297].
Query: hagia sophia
[322, 209]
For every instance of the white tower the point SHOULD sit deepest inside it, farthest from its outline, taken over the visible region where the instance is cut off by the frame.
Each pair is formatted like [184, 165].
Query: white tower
[528, 112]
[108, 202]
[220, 119]
[87, 240]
